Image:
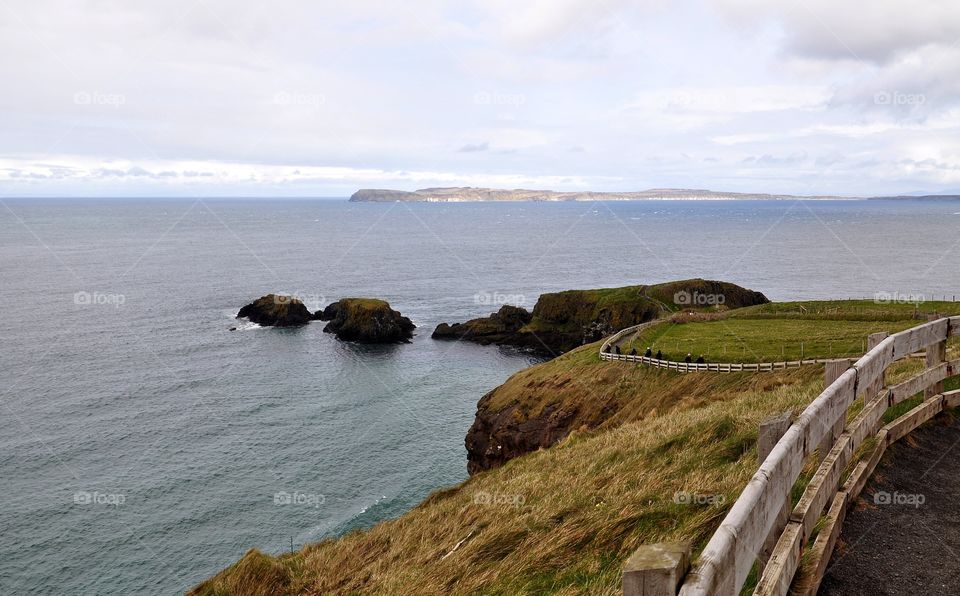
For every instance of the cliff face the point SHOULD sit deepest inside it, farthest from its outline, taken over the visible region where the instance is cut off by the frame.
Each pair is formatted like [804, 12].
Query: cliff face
[562, 321]
[540, 406]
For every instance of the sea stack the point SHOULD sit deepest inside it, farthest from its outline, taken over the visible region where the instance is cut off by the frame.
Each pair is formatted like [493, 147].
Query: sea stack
[366, 320]
[276, 310]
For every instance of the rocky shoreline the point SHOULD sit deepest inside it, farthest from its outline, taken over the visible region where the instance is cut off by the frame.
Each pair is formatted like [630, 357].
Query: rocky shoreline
[560, 323]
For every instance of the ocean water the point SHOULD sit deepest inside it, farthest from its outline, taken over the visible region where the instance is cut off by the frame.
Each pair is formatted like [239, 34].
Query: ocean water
[144, 446]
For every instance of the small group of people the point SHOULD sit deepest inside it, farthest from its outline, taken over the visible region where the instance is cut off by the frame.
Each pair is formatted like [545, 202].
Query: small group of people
[688, 359]
[659, 355]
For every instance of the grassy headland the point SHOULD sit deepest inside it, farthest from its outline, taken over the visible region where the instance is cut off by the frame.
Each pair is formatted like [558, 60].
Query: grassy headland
[631, 455]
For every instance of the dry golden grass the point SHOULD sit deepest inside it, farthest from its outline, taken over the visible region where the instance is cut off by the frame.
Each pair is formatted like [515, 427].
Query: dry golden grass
[561, 520]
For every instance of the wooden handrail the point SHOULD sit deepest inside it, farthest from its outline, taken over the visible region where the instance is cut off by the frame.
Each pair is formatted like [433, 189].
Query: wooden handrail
[730, 554]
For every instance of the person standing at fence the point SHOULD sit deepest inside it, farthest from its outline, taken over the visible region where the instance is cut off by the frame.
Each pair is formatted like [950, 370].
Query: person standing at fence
[648, 353]
[688, 359]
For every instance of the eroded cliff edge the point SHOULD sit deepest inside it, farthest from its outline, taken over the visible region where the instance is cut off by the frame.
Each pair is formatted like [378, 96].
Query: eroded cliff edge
[542, 405]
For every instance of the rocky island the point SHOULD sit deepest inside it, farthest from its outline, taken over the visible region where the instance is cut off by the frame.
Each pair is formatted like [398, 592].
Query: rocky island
[366, 320]
[276, 310]
[463, 194]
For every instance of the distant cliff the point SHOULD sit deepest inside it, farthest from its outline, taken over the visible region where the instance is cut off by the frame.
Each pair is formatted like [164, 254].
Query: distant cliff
[462, 194]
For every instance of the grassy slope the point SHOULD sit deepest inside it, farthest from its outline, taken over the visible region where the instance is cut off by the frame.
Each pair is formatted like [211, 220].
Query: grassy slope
[562, 519]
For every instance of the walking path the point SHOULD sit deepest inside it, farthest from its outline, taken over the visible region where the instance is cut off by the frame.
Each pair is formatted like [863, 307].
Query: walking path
[903, 536]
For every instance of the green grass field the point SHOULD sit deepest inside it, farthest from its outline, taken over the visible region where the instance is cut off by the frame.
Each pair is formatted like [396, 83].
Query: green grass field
[786, 331]
[863, 310]
[763, 340]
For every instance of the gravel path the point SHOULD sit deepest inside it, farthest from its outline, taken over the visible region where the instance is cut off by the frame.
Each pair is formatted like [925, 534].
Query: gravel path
[903, 534]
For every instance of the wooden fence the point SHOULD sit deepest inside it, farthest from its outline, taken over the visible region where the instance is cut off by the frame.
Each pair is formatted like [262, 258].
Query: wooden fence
[607, 354]
[762, 516]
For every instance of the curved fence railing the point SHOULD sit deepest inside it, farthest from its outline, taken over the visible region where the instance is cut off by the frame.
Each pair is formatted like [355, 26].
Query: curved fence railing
[606, 353]
[762, 527]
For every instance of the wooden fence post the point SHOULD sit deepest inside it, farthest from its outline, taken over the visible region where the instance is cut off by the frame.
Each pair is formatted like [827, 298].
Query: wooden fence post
[873, 340]
[936, 355]
[656, 569]
[769, 434]
[831, 372]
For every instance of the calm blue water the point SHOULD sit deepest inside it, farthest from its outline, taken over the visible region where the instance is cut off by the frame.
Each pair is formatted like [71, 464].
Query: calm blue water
[144, 396]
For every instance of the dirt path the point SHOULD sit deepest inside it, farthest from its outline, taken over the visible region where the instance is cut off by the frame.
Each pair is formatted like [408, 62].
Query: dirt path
[903, 534]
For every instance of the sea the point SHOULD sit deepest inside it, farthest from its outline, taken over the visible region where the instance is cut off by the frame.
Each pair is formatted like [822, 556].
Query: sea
[146, 444]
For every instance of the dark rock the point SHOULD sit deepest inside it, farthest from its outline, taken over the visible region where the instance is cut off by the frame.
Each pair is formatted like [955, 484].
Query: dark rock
[276, 310]
[496, 328]
[366, 320]
[496, 437]
[328, 313]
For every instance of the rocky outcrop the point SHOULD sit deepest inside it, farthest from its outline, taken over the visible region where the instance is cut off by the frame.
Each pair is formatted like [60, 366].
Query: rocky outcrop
[497, 328]
[562, 321]
[276, 310]
[366, 320]
[328, 313]
[497, 436]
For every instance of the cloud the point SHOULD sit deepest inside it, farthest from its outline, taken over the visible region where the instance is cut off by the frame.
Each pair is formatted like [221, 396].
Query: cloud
[322, 97]
[875, 32]
[474, 148]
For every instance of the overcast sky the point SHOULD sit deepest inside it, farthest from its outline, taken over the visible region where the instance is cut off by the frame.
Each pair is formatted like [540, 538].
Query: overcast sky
[315, 98]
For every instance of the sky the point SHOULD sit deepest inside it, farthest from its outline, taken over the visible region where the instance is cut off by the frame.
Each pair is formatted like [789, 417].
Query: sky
[202, 98]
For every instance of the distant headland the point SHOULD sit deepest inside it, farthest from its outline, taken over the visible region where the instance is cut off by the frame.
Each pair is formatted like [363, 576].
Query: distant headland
[466, 194]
